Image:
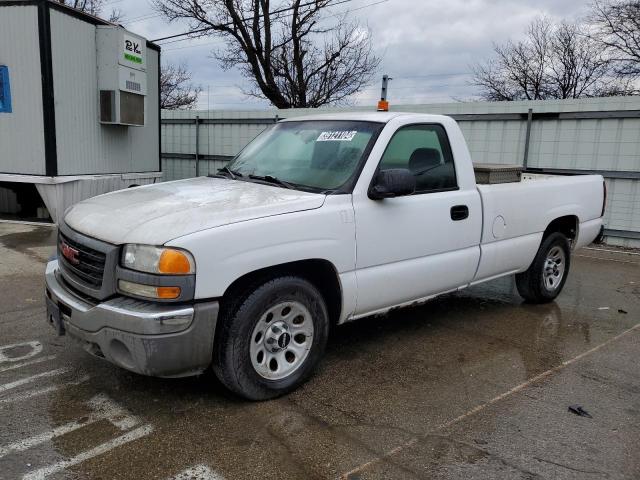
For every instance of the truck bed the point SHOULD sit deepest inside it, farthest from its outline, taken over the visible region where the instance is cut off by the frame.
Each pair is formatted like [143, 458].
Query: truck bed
[511, 237]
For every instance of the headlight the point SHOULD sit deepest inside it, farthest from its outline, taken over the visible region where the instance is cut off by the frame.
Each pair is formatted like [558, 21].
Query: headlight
[167, 261]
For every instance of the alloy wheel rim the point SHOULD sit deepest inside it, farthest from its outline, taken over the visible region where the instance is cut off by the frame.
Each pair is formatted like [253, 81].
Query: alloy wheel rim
[281, 340]
[554, 268]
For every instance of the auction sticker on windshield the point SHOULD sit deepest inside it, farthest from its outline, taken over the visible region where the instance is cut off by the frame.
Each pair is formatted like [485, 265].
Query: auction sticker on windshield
[337, 136]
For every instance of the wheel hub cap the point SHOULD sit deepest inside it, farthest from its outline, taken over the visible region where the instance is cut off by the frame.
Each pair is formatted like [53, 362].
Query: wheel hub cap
[277, 337]
[554, 267]
[281, 340]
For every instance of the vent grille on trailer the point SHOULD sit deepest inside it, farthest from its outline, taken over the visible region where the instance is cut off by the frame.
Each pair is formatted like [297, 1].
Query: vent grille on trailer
[131, 108]
[133, 86]
[107, 106]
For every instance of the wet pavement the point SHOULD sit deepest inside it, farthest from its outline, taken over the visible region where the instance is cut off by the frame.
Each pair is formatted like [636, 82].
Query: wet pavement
[471, 385]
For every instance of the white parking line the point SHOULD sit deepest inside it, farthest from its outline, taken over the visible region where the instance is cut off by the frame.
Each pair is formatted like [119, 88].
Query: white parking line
[44, 437]
[104, 409]
[199, 472]
[36, 348]
[608, 250]
[24, 381]
[34, 393]
[43, 473]
[606, 259]
[26, 222]
[25, 364]
[117, 415]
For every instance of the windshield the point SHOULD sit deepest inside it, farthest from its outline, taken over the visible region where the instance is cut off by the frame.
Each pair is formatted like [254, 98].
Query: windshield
[318, 154]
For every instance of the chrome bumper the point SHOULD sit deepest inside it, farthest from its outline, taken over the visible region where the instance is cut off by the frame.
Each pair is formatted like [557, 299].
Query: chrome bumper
[144, 337]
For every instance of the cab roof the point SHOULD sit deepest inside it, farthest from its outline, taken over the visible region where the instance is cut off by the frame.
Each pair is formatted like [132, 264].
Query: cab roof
[365, 116]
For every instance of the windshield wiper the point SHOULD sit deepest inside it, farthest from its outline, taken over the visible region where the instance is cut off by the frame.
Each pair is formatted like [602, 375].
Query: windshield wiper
[231, 173]
[274, 180]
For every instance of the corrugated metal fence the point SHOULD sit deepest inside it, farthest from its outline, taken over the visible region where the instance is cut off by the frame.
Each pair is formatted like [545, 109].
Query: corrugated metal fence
[600, 135]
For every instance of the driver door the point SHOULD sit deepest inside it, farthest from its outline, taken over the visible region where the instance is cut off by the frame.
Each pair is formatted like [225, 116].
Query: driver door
[419, 245]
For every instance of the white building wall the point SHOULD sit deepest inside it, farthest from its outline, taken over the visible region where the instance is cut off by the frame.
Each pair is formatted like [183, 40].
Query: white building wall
[84, 145]
[21, 137]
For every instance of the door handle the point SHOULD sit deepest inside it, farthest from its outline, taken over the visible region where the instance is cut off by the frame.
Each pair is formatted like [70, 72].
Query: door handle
[459, 212]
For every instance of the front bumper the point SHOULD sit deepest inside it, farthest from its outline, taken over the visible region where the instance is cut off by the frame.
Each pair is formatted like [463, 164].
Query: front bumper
[149, 338]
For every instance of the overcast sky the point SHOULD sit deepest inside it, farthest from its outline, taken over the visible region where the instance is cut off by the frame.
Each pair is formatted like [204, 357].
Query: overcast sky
[425, 45]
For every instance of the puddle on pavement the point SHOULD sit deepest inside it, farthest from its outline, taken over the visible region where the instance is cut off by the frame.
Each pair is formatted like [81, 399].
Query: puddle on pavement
[37, 237]
[31, 241]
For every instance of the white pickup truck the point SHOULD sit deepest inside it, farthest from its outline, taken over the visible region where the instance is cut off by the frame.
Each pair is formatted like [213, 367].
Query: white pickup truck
[320, 220]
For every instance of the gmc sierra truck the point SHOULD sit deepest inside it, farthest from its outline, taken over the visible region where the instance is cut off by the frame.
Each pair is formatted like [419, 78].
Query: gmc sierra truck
[318, 221]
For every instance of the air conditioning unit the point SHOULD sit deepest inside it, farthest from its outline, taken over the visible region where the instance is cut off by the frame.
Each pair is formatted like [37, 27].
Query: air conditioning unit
[122, 76]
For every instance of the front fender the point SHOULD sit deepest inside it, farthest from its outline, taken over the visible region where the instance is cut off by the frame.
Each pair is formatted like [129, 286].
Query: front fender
[226, 253]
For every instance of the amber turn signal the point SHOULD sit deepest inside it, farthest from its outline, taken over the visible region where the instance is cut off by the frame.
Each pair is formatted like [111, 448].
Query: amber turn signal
[168, 292]
[174, 262]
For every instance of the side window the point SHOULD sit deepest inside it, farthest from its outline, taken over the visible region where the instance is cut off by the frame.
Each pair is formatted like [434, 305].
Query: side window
[423, 150]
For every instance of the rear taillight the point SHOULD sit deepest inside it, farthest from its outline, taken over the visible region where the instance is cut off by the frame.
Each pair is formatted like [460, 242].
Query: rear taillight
[604, 197]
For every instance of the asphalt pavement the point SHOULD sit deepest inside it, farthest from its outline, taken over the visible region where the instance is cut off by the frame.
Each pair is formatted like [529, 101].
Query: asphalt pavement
[471, 385]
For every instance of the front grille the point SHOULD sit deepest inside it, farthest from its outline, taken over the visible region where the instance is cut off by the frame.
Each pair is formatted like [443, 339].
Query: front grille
[88, 265]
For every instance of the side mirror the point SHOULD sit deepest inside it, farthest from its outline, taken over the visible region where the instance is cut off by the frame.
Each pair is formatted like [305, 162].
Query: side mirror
[391, 183]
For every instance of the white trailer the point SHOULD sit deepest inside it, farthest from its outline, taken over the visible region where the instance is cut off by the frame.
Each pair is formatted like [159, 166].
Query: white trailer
[79, 107]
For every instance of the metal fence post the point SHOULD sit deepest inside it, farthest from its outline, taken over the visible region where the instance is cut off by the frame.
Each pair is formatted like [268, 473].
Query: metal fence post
[197, 146]
[525, 161]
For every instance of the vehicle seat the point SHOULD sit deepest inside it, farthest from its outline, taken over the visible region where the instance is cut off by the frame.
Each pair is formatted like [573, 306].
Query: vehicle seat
[424, 158]
[441, 175]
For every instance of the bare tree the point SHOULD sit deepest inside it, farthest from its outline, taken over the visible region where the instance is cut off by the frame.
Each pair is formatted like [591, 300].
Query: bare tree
[176, 89]
[577, 67]
[517, 71]
[552, 61]
[617, 28]
[93, 7]
[296, 55]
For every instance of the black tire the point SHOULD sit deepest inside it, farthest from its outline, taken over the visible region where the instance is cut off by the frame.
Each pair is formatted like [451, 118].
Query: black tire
[231, 359]
[531, 283]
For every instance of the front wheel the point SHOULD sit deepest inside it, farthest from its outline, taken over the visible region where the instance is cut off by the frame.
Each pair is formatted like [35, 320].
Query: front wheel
[270, 341]
[546, 276]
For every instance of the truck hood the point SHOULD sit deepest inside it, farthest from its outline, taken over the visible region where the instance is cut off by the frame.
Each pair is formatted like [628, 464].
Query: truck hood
[156, 214]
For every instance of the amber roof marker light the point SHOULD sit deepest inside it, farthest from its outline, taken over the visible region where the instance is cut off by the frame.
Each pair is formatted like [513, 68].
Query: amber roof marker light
[383, 104]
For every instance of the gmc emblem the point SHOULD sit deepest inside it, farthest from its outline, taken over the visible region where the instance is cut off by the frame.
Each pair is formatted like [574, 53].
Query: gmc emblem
[70, 253]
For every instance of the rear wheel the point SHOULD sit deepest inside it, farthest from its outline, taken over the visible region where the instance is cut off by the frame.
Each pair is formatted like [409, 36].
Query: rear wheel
[545, 278]
[271, 340]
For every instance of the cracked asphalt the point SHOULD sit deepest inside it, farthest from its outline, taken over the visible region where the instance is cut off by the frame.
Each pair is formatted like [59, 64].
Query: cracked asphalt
[471, 385]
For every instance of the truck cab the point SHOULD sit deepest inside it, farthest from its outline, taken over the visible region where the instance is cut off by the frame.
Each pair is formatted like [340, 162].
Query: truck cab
[318, 221]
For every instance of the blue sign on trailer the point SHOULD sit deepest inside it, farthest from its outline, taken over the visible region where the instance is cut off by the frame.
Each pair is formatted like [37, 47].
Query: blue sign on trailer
[5, 90]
